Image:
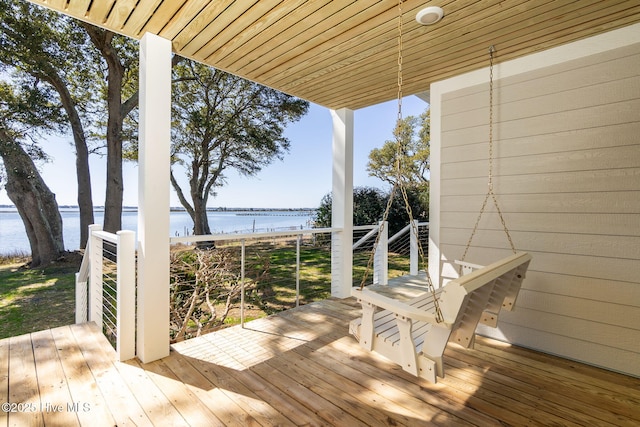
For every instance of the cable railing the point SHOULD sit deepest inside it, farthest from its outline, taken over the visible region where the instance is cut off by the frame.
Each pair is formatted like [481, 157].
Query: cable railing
[405, 242]
[245, 277]
[105, 288]
[365, 268]
[222, 279]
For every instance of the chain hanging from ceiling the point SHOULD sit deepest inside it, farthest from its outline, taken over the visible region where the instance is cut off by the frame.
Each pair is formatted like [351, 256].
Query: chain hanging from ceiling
[399, 182]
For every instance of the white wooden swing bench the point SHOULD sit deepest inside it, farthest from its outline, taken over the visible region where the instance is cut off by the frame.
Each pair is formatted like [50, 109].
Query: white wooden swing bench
[409, 334]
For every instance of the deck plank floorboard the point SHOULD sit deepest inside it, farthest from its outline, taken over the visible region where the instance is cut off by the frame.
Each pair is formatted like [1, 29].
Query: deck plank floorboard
[299, 367]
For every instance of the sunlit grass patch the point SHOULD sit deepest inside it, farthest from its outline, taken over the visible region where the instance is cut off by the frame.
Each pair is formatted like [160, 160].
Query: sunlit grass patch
[35, 299]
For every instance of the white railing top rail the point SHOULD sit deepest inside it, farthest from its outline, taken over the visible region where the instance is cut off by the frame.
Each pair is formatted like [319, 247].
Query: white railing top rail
[365, 227]
[240, 236]
[404, 230]
[363, 239]
[83, 273]
[399, 233]
[105, 235]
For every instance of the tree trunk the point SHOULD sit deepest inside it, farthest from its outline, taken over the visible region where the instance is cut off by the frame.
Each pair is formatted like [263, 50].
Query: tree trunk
[200, 219]
[115, 187]
[83, 176]
[102, 40]
[35, 202]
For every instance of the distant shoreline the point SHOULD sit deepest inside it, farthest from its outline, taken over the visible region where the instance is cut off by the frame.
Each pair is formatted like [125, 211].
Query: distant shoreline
[181, 209]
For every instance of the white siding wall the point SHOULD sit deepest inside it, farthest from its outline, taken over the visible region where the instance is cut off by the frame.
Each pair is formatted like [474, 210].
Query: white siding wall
[567, 175]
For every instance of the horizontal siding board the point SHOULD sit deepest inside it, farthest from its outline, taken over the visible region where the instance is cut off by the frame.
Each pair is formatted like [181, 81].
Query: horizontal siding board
[609, 335]
[603, 202]
[578, 308]
[616, 359]
[617, 135]
[614, 64]
[619, 157]
[578, 100]
[564, 182]
[604, 245]
[605, 290]
[573, 223]
[615, 269]
[573, 83]
[563, 121]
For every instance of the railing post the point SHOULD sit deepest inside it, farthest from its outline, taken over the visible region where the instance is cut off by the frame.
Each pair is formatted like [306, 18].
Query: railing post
[414, 257]
[95, 276]
[126, 307]
[242, 261]
[381, 255]
[82, 287]
[298, 270]
[81, 299]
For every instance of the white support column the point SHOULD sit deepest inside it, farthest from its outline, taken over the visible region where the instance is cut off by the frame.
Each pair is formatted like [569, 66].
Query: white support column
[342, 203]
[153, 198]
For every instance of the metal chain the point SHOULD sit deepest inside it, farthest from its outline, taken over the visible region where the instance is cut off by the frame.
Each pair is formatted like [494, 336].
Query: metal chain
[490, 191]
[491, 51]
[400, 183]
[400, 33]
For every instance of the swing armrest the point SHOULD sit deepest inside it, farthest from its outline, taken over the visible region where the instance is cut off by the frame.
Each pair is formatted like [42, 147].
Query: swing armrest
[397, 307]
[467, 266]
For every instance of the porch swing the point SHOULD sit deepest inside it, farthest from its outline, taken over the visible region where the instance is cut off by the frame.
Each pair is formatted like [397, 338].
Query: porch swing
[415, 333]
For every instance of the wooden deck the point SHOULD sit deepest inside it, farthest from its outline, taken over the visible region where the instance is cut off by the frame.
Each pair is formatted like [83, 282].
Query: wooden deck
[297, 368]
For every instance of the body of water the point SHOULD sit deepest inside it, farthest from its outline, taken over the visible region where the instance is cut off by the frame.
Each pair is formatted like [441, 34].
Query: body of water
[13, 237]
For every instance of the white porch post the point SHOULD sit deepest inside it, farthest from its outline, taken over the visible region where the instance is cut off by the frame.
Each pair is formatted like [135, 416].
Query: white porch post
[381, 256]
[153, 198]
[342, 203]
[414, 255]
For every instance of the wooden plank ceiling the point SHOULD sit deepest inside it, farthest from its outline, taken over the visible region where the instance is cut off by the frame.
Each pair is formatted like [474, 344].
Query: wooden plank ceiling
[343, 53]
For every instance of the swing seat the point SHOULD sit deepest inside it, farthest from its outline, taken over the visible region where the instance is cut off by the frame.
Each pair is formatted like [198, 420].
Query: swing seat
[409, 333]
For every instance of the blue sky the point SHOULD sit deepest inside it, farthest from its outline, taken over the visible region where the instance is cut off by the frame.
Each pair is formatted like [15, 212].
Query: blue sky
[301, 179]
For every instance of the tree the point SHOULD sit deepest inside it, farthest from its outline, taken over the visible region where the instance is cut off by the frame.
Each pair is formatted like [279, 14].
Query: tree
[369, 205]
[87, 66]
[34, 201]
[413, 147]
[120, 54]
[39, 45]
[405, 161]
[223, 122]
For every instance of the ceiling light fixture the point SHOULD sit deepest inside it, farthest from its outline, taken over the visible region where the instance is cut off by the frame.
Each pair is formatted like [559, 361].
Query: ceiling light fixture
[429, 15]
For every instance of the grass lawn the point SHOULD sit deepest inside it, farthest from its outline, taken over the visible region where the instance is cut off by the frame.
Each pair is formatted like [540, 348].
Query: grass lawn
[33, 300]
[276, 291]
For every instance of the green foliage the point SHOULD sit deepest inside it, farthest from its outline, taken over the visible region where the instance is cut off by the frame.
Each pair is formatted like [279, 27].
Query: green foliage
[223, 122]
[323, 213]
[406, 158]
[26, 113]
[44, 50]
[418, 200]
[369, 205]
